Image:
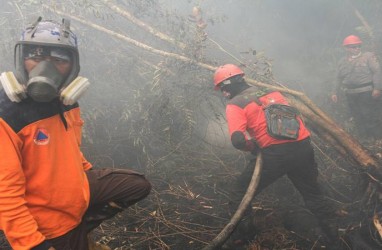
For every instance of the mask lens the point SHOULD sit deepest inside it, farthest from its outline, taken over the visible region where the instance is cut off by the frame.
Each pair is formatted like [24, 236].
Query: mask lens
[60, 53]
[40, 52]
[32, 51]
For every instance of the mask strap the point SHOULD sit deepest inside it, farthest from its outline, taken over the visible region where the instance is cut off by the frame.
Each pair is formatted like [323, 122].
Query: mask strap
[65, 29]
[33, 27]
[63, 118]
[61, 113]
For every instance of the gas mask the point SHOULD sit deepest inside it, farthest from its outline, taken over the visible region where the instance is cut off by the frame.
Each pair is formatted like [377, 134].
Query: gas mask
[43, 86]
[44, 82]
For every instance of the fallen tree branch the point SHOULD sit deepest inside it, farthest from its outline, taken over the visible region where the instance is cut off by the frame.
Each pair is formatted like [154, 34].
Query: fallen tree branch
[134, 42]
[323, 135]
[144, 26]
[297, 94]
[230, 227]
[319, 118]
[357, 151]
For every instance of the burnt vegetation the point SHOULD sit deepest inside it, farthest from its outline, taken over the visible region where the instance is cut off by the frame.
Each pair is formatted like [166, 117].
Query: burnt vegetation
[151, 108]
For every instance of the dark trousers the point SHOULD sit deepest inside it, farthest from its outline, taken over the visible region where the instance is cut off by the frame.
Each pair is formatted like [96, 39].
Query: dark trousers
[367, 114]
[296, 160]
[122, 187]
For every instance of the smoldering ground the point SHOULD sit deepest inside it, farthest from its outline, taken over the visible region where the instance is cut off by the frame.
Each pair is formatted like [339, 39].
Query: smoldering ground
[158, 114]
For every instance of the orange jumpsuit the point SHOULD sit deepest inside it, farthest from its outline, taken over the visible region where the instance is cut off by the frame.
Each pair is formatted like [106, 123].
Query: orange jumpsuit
[44, 191]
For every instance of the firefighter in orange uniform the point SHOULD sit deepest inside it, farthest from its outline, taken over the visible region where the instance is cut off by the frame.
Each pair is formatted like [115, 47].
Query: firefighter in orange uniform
[284, 143]
[49, 194]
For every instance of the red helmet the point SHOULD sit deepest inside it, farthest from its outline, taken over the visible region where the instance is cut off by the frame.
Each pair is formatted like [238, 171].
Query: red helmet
[352, 39]
[224, 72]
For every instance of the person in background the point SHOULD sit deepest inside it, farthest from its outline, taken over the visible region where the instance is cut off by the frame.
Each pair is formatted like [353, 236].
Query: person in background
[360, 76]
[284, 144]
[50, 195]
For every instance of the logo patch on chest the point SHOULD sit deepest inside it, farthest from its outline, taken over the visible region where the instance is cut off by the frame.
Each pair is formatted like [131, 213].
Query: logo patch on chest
[41, 137]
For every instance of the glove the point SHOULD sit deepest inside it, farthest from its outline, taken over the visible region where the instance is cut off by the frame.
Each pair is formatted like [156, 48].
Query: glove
[240, 142]
[252, 144]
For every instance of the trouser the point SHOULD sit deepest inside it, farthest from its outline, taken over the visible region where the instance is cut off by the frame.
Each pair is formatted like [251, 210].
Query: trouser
[111, 190]
[367, 114]
[296, 160]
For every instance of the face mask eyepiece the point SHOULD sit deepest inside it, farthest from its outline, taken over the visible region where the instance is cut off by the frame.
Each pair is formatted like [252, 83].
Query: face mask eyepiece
[36, 51]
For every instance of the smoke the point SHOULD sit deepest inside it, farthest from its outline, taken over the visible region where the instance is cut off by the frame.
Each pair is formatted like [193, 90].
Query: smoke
[302, 37]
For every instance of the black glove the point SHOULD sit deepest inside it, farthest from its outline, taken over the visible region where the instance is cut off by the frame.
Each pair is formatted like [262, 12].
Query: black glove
[255, 148]
[240, 142]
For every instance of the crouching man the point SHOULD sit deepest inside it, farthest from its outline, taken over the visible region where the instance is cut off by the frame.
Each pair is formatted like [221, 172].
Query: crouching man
[50, 196]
